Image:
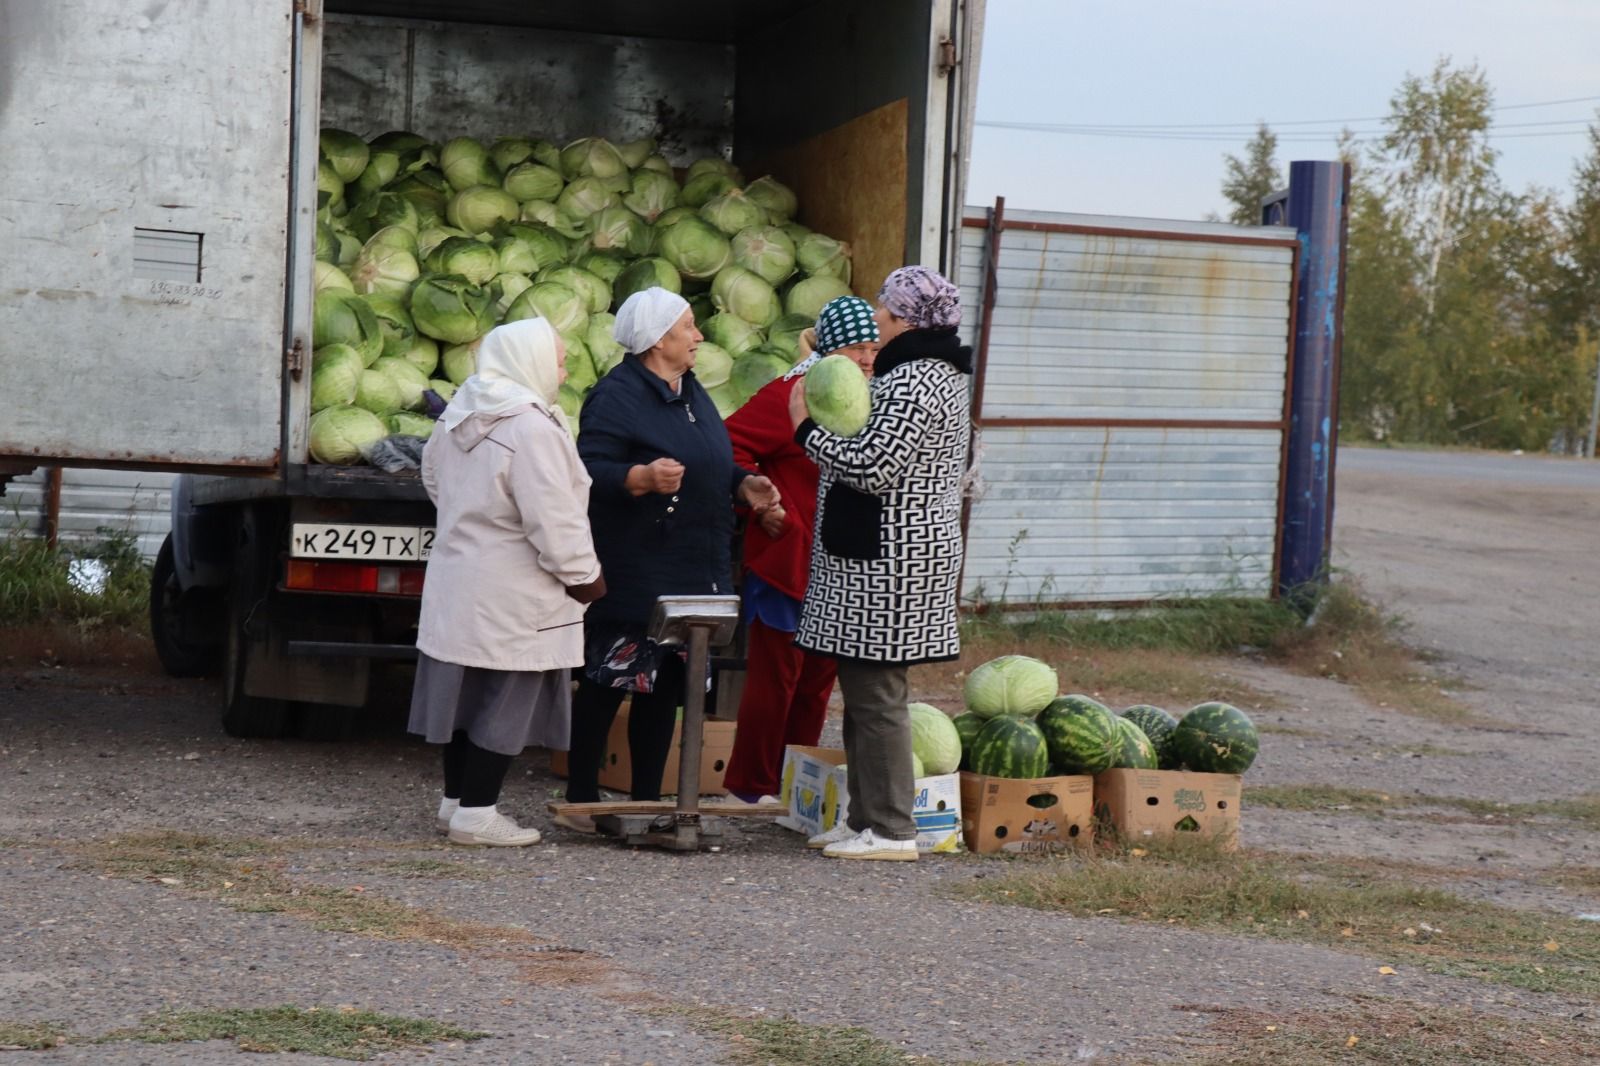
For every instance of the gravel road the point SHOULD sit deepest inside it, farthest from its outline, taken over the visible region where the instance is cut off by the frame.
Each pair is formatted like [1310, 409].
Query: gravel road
[1494, 569]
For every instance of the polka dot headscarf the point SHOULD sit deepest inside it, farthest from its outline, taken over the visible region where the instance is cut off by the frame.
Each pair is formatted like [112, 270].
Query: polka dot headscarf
[845, 321]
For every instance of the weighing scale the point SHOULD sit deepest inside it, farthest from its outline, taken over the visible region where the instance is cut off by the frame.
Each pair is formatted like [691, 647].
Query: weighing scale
[703, 622]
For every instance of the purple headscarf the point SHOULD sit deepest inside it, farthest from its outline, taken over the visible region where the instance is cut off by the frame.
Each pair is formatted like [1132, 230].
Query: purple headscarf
[923, 297]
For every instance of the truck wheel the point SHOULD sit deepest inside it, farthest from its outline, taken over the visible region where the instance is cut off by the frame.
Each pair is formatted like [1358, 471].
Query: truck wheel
[176, 616]
[244, 715]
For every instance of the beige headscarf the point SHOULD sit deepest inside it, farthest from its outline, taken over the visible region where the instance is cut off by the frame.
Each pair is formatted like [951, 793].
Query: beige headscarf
[518, 363]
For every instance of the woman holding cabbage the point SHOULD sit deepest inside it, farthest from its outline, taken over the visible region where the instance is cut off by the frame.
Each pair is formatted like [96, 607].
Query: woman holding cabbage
[785, 698]
[512, 567]
[887, 558]
[665, 484]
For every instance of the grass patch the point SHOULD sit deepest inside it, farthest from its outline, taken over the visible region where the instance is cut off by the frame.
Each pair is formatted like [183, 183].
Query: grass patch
[1286, 730]
[786, 1042]
[31, 1036]
[1583, 811]
[433, 869]
[36, 582]
[1374, 1031]
[1204, 626]
[341, 1034]
[1349, 906]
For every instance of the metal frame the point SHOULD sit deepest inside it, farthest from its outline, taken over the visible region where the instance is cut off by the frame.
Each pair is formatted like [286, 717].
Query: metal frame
[996, 225]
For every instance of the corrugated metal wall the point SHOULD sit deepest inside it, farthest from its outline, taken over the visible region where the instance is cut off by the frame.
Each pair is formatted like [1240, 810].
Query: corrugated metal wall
[92, 501]
[1130, 405]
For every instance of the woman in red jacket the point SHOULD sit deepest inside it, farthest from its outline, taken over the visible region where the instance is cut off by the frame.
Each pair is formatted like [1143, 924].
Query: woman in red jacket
[786, 690]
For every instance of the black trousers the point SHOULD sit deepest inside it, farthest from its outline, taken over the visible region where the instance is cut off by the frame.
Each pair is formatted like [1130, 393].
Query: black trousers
[472, 774]
[652, 716]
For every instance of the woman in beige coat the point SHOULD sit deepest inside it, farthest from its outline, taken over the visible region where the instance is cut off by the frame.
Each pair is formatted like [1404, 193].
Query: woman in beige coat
[512, 569]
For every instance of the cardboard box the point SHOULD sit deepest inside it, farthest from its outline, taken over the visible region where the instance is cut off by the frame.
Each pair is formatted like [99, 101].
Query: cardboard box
[1161, 804]
[616, 769]
[996, 815]
[814, 789]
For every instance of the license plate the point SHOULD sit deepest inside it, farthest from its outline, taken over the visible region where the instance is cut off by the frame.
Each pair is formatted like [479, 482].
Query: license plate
[309, 540]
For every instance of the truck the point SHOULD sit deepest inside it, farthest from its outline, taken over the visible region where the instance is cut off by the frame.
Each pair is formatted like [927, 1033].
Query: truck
[159, 197]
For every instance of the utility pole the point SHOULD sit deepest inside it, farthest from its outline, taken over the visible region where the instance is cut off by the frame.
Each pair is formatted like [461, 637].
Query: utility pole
[1594, 408]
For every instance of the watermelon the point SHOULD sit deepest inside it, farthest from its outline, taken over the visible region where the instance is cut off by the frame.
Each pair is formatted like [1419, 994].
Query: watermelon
[1136, 752]
[1081, 734]
[967, 726]
[1010, 747]
[1216, 738]
[1158, 726]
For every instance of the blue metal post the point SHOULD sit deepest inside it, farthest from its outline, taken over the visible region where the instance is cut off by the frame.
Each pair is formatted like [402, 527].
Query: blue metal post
[1317, 206]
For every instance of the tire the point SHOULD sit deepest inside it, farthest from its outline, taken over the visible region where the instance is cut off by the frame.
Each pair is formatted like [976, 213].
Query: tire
[244, 715]
[176, 615]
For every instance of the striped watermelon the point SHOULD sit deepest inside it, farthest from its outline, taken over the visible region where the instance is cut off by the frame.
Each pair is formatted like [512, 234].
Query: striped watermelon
[1082, 735]
[1216, 738]
[1158, 726]
[1136, 752]
[1007, 746]
[967, 726]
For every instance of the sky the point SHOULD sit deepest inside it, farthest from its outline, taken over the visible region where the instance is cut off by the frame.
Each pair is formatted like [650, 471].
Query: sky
[1232, 63]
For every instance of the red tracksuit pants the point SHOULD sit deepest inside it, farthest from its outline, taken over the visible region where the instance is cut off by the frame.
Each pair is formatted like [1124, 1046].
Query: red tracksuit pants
[785, 701]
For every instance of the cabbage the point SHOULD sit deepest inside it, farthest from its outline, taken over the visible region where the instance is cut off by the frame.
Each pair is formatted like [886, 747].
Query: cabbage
[395, 237]
[345, 152]
[460, 362]
[784, 335]
[553, 302]
[570, 400]
[674, 214]
[731, 333]
[703, 309]
[795, 231]
[715, 165]
[327, 250]
[764, 250]
[466, 163]
[754, 369]
[339, 317]
[443, 388]
[810, 295]
[466, 256]
[593, 290]
[699, 191]
[724, 398]
[335, 370]
[384, 269]
[384, 209]
[548, 214]
[398, 141]
[546, 154]
[431, 237]
[428, 193]
[645, 274]
[604, 350]
[507, 287]
[934, 739]
[772, 196]
[695, 247]
[618, 229]
[382, 168]
[592, 156]
[328, 276]
[410, 424]
[339, 434]
[585, 197]
[837, 395]
[656, 163]
[349, 248]
[634, 153]
[394, 322]
[378, 392]
[517, 256]
[732, 212]
[408, 379]
[819, 254]
[450, 308]
[746, 295]
[1011, 684]
[650, 193]
[507, 152]
[549, 247]
[581, 372]
[712, 364]
[533, 181]
[607, 266]
[422, 354]
[918, 768]
[480, 208]
[330, 189]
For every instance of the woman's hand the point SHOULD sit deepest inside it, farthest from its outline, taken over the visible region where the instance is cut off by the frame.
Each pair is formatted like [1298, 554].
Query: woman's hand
[758, 493]
[798, 411]
[772, 521]
[663, 476]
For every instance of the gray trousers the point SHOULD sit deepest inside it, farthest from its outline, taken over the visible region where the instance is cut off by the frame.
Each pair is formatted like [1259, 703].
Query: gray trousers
[877, 748]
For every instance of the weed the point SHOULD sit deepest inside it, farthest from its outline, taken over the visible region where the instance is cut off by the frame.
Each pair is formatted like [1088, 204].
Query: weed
[345, 1033]
[1579, 810]
[31, 1036]
[37, 584]
[786, 1042]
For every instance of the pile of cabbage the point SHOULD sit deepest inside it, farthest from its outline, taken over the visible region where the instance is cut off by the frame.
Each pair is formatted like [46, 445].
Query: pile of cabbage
[422, 248]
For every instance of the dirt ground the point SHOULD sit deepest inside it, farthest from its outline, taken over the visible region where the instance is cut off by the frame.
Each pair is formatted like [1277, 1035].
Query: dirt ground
[1492, 563]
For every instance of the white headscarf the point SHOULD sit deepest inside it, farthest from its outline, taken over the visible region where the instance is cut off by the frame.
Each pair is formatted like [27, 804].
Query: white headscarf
[518, 363]
[644, 318]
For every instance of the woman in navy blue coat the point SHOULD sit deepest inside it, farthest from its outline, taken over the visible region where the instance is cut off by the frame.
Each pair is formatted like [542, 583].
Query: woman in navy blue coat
[661, 509]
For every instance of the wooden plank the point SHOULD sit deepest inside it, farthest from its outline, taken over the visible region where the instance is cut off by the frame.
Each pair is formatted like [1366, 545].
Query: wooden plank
[722, 809]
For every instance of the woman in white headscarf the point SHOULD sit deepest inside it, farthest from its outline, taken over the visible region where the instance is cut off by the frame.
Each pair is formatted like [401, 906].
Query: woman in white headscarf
[512, 568]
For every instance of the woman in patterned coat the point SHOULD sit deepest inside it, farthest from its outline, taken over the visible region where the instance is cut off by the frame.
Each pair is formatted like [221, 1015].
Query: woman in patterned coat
[886, 559]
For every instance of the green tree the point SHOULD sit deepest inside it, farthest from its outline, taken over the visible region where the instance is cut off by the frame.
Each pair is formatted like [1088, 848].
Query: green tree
[1252, 177]
[1579, 303]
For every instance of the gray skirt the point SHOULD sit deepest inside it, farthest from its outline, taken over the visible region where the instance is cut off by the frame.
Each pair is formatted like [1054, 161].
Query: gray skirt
[500, 710]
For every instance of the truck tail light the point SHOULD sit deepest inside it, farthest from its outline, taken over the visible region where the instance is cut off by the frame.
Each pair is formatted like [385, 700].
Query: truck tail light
[307, 575]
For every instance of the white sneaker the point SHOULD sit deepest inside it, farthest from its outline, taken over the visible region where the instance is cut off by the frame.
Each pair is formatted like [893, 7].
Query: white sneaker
[838, 834]
[500, 832]
[869, 845]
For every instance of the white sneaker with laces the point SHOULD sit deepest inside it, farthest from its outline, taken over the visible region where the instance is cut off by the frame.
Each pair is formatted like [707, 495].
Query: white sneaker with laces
[499, 832]
[836, 835]
[868, 845]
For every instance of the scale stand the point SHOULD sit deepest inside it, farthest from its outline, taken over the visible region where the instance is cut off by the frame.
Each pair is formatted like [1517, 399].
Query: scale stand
[703, 622]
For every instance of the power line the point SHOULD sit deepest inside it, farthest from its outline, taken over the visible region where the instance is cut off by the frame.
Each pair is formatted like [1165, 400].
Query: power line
[1307, 137]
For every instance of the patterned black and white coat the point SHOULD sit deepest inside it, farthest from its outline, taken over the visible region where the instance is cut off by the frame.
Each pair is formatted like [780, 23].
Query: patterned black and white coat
[886, 555]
